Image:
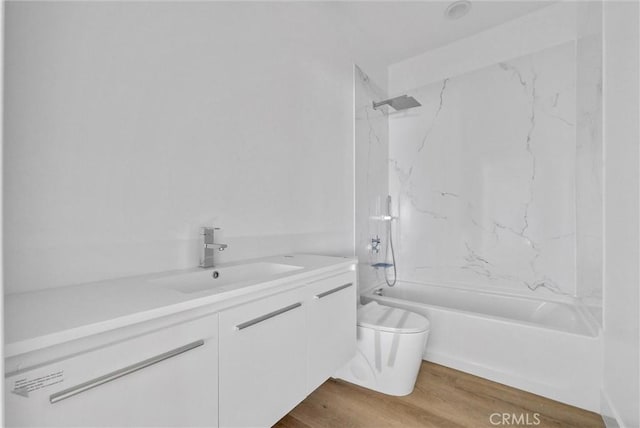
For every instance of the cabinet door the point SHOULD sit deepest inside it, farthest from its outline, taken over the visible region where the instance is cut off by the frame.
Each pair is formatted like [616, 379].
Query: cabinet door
[331, 318]
[164, 378]
[262, 360]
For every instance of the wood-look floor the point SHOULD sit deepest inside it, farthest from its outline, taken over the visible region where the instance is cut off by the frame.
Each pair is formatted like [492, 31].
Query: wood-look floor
[443, 398]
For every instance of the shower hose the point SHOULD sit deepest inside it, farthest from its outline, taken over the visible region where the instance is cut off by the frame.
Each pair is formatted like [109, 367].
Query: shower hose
[393, 253]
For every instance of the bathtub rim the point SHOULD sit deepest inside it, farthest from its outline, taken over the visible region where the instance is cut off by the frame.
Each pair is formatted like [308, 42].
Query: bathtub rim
[594, 329]
[549, 297]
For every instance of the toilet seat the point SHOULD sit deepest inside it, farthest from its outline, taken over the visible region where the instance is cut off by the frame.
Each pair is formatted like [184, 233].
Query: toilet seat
[392, 320]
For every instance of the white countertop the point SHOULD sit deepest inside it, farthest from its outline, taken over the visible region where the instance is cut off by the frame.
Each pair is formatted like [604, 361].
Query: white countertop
[35, 320]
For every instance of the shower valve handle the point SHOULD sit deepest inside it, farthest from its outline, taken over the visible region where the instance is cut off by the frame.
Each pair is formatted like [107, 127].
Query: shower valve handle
[375, 244]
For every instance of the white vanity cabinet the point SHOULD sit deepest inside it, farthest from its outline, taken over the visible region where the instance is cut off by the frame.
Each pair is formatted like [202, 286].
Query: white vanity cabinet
[263, 346]
[277, 350]
[239, 355]
[331, 325]
[166, 377]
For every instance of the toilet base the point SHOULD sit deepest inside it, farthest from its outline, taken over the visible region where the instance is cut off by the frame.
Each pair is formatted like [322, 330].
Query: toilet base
[386, 362]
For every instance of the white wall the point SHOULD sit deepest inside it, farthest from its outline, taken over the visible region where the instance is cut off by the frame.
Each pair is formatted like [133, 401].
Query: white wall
[130, 125]
[1, 155]
[622, 233]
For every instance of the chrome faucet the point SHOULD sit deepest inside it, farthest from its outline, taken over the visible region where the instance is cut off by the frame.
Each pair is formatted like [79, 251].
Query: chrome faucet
[208, 245]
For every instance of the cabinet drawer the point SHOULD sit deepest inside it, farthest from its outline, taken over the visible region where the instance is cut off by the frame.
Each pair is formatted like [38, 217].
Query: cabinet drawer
[262, 360]
[167, 377]
[331, 321]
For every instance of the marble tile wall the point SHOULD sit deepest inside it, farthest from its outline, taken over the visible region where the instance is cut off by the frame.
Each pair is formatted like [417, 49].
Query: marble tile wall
[589, 171]
[484, 175]
[371, 181]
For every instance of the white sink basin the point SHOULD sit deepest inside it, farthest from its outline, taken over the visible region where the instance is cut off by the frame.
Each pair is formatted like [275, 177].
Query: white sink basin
[227, 277]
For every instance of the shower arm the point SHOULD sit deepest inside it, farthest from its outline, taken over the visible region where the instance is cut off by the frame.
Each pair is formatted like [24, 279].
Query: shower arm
[381, 103]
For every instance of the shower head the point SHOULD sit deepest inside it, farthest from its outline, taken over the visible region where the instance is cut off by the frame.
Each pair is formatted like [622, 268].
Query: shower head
[402, 102]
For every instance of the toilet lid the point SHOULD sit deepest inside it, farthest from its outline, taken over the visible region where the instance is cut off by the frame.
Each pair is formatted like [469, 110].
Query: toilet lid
[386, 318]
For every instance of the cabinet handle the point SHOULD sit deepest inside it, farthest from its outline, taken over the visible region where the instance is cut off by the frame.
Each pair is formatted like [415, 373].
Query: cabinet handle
[74, 390]
[267, 316]
[335, 290]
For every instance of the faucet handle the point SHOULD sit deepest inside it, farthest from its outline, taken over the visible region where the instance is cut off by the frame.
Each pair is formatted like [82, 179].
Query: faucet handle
[208, 229]
[208, 234]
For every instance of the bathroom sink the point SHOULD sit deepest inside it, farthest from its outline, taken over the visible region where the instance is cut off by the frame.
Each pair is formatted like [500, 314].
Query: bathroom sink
[224, 278]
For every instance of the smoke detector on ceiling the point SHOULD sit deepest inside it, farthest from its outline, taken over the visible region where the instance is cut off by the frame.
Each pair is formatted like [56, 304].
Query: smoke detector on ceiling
[457, 9]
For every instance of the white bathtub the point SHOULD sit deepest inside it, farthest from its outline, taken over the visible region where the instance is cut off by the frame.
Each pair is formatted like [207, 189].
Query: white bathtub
[548, 348]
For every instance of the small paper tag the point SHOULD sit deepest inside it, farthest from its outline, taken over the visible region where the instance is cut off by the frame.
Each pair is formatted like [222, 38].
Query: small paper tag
[25, 385]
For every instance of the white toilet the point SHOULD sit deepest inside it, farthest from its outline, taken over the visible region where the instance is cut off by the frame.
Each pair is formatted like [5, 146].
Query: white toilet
[391, 342]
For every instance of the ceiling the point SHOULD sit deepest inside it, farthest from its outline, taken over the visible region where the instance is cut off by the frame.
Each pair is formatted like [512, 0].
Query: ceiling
[391, 31]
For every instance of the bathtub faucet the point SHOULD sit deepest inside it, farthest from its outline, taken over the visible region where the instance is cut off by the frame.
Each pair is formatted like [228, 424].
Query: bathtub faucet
[208, 245]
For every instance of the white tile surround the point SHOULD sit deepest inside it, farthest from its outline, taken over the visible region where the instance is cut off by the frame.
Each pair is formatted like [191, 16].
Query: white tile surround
[485, 175]
[372, 186]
